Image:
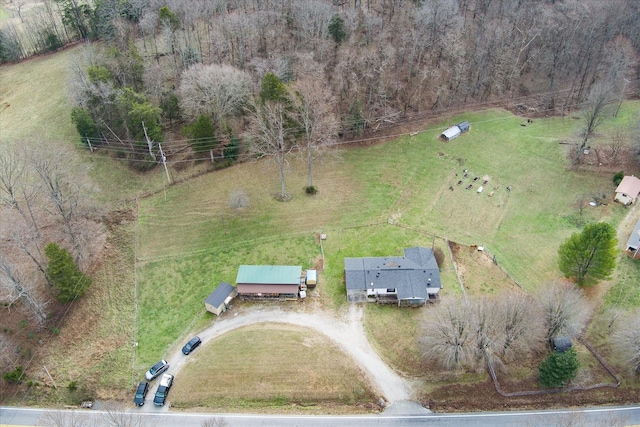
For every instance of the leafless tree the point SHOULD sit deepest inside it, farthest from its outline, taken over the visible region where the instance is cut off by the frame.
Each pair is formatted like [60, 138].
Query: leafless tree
[270, 135]
[16, 194]
[519, 325]
[564, 309]
[314, 113]
[63, 194]
[626, 340]
[594, 113]
[219, 91]
[67, 419]
[449, 334]
[116, 415]
[14, 287]
[215, 422]
[7, 353]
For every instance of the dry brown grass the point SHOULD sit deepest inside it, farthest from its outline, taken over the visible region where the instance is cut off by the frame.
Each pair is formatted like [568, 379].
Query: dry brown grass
[270, 365]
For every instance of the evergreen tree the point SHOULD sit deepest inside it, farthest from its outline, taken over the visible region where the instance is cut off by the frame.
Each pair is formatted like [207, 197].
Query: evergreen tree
[592, 253]
[273, 89]
[65, 273]
[201, 134]
[336, 29]
[558, 368]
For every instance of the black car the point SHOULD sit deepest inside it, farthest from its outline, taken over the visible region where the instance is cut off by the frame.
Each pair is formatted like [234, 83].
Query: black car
[141, 393]
[163, 390]
[156, 370]
[191, 345]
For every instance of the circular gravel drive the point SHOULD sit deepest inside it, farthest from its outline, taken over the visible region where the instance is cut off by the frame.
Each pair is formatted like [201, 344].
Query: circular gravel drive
[347, 333]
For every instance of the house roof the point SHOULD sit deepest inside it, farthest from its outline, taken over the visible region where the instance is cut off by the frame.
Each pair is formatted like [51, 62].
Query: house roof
[410, 274]
[269, 274]
[634, 239]
[629, 185]
[217, 297]
[452, 132]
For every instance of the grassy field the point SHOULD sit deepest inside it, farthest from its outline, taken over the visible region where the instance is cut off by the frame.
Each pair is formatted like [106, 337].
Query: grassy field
[374, 201]
[280, 367]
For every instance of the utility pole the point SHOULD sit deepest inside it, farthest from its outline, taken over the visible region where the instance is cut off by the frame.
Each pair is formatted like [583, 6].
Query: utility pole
[149, 143]
[164, 162]
[90, 146]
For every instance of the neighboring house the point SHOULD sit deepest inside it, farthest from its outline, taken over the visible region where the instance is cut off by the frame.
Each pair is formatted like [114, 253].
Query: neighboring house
[410, 280]
[268, 281]
[455, 131]
[633, 244]
[218, 301]
[628, 190]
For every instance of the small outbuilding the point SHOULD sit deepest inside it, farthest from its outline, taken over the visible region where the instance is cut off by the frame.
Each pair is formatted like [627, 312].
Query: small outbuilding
[269, 281]
[561, 344]
[311, 278]
[451, 133]
[628, 190]
[633, 244]
[463, 126]
[218, 301]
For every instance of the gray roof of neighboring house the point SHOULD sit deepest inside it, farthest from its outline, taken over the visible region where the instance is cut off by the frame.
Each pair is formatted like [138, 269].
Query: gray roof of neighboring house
[217, 297]
[634, 239]
[410, 275]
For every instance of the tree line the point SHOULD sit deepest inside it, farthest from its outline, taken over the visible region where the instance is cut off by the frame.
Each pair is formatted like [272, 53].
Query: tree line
[167, 63]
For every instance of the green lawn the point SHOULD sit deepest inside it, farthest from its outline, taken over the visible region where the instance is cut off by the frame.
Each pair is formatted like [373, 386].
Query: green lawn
[373, 202]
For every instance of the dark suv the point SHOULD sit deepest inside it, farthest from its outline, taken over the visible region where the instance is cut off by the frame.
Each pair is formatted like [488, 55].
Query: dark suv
[163, 390]
[191, 345]
[141, 393]
[156, 370]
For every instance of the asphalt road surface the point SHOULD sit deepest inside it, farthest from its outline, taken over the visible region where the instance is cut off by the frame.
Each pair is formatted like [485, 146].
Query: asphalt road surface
[605, 416]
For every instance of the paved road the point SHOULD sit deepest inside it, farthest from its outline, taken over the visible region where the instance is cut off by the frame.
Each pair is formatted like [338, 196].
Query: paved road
[613, 416]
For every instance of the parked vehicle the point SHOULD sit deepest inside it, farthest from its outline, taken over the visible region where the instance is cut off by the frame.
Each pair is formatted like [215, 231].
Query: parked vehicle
[156, 370]
[141, 393]
[191, 345]
[163, 390]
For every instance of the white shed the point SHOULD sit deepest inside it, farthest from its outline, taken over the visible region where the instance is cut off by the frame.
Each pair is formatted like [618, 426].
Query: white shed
[451, 133]
[312, 278]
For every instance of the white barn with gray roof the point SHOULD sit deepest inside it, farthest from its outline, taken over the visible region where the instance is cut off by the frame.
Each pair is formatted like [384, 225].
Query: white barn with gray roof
[633, 244]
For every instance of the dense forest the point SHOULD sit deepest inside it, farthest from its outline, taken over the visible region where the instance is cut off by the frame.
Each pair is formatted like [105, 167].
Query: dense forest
[356, 65]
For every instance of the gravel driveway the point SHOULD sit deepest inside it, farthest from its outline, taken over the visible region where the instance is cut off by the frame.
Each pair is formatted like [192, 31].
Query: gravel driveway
[346, 332]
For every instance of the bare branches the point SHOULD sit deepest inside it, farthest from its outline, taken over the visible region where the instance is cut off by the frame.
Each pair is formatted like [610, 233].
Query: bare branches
[219, 91]
[13, 287]
[627, 341]
[564, 309]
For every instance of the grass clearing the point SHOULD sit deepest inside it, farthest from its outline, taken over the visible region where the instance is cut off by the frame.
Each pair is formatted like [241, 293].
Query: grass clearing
[279, 366]
[368, 206]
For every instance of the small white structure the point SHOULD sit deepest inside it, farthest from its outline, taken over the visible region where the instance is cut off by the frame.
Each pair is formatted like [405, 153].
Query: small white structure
[628, 190]
[451, 133]
[311, 278]
[633, 244]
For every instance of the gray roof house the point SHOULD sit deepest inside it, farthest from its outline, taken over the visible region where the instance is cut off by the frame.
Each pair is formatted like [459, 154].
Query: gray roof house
[409, 280]
[218, 301]
[633, 244]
